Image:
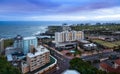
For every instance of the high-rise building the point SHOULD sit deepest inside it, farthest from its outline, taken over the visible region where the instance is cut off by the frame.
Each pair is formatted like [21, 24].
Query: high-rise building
[24, 43]
[28, 42]
[18, 42]
[1, 45]
[37, 58]
[67, 36]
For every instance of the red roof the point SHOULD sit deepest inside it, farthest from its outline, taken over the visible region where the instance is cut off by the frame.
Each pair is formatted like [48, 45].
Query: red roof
[111, 69]
[107, 67]
[117, 61]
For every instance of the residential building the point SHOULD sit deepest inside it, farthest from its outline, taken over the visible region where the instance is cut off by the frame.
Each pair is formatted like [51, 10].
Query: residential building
[1, 45]
[24, 43]
[37, 58]
[28, 42]
[18, 42]
[111, 68]
[67, 36]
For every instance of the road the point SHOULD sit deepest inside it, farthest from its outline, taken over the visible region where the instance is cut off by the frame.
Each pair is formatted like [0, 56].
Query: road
[100, 55]
[62, 62]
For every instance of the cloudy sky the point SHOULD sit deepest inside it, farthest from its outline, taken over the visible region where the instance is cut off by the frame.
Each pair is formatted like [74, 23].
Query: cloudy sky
[60, 10]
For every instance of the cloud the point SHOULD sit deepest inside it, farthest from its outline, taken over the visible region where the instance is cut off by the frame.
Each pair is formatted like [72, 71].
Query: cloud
[59, 9]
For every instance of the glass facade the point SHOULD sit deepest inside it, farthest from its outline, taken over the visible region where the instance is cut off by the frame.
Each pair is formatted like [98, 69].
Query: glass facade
[27, 44]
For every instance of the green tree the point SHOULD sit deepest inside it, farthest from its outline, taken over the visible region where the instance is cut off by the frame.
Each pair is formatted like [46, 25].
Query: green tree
[6, 67]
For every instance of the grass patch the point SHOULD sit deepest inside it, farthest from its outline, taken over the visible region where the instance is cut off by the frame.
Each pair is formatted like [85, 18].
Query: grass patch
[105, 43]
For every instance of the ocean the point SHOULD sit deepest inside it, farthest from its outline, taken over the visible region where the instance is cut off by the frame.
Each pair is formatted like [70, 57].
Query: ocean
[10, 29]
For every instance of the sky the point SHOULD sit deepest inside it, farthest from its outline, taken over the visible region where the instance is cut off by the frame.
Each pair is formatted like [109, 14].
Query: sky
[60, 10]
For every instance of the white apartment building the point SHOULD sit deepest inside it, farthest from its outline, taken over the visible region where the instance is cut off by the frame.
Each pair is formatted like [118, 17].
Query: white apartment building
[67, 36]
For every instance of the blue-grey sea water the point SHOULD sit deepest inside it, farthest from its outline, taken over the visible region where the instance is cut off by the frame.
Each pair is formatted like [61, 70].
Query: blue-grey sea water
[9, 29]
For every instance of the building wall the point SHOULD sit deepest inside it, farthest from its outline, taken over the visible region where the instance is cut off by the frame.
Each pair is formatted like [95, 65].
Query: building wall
[18, 44]
[38, 61]
[1, 45]
[25, 68]
[116, 65]
[68, 36]
[27, 44]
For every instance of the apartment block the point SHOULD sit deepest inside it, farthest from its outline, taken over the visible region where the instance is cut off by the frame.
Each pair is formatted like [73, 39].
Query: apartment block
[37, 58]
[67, 36]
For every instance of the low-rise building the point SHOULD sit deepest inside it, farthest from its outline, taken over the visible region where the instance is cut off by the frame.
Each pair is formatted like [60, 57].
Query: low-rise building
[115, 67]
[90, 46]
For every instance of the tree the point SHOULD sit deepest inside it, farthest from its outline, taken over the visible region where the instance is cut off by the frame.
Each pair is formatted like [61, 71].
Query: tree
[84, 67]
[6, 67]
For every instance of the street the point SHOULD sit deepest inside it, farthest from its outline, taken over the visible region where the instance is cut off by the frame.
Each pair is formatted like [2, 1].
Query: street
[62, 62]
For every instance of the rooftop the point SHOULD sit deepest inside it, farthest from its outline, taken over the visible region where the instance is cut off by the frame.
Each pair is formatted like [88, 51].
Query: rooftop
[1, 39]
[9, 57]
[40, 50]
[90, 45]
[84, 41]
[18, 37]
[28, 38]
[68, 31]
[70, 72]
[117, 61]
[110, 68]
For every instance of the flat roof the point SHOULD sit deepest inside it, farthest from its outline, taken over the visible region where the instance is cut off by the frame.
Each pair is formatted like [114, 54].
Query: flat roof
[1, 39]
[9, 57]
[70, 72]
[40, 50]
[117, 61]
[28, 38]
[90, 45]
[84, 41]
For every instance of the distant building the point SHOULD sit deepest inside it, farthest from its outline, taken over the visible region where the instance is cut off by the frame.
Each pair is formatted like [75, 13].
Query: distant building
[115, 67]
[67, 36]
[37, 58]
[65, 27]
[28, 42]
[1, 45]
